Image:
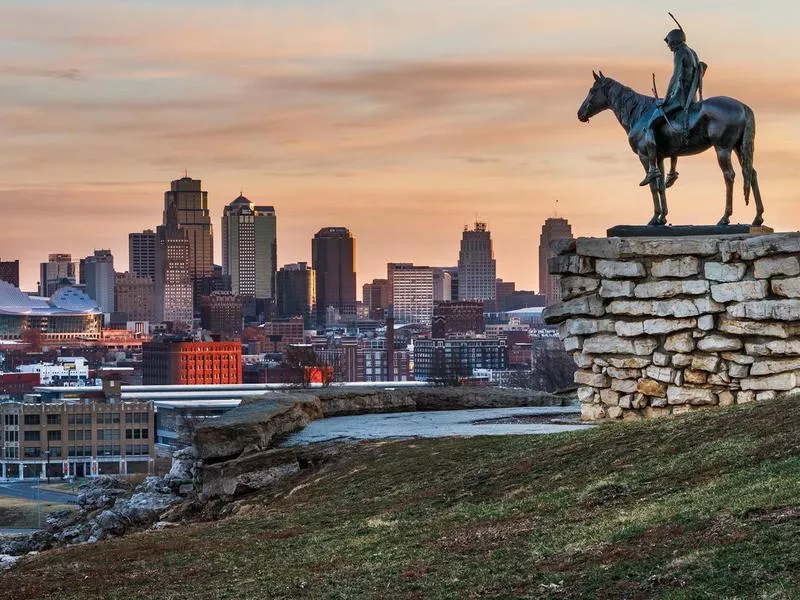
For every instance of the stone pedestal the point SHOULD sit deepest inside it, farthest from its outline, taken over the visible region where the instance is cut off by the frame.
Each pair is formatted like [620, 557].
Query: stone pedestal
[665, 325]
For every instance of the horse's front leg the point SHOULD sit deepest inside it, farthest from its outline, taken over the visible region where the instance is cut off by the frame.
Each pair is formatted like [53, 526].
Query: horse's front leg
[659, 190]
[724, 160]
[656, 220]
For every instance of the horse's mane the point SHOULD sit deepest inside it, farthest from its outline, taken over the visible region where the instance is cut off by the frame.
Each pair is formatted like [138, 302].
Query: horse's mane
[627, 104]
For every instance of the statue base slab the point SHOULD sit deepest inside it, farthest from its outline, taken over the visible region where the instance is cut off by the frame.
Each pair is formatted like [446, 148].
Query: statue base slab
[685, 230]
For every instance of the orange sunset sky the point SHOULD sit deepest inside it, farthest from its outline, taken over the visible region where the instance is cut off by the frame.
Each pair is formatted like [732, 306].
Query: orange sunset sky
[400, 119]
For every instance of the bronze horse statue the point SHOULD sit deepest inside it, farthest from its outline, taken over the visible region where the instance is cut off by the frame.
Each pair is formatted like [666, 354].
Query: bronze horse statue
[720, 122]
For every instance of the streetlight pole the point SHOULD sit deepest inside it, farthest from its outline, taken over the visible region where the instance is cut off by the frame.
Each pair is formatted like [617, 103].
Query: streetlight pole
[47, 468]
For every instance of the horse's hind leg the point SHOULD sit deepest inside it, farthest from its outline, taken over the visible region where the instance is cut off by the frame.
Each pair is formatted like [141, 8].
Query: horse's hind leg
[724, 160]
[759, 220]
[654, 190]
[659, 186]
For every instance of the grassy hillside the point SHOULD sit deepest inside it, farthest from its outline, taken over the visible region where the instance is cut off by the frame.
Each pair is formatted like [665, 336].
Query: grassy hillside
[707, 505]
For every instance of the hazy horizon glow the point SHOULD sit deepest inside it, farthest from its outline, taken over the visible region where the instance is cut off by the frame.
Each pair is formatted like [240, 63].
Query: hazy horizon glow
[403, 121]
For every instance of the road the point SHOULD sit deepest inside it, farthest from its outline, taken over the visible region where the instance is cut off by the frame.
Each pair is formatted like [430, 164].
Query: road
[28, 491]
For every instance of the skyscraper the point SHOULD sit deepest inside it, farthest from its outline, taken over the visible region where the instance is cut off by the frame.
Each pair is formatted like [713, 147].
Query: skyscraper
[135, 296]
[249, 248]
[99, 270]
[173, 290]
[142, 253]
[410, 292]
[376, 298]
[554, 228]
[58, 271]
[191, 205]
[476, 265]
[333, 257]
[442, 285]
[9, 272]
[296, 292]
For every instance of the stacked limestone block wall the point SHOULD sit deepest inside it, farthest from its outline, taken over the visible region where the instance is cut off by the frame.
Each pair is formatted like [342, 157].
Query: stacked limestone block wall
[662, 326]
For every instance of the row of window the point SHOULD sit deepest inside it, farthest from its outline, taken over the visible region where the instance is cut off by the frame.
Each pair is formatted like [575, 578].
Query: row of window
[78, 419]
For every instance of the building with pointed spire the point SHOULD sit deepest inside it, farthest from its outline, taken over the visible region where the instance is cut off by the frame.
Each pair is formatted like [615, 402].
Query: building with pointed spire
[554, 228]
[250, 248]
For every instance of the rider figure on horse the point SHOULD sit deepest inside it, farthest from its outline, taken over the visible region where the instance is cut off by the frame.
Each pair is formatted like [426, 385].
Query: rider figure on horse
[684, 87]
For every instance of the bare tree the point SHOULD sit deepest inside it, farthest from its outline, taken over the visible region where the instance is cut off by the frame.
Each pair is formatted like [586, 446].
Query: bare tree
[552, 369]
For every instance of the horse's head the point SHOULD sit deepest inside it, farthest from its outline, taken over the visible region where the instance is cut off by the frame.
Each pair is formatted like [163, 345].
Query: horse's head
[596, 100]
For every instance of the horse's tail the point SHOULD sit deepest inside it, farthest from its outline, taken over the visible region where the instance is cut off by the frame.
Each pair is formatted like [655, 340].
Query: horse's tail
[747, 149]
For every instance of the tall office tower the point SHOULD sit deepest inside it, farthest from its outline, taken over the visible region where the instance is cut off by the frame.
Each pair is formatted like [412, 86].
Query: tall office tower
[250, 248]
[333, 257]
[135, 296]
[142, 253]
[191, 204]
[9, 272]
[554, 228]
[504, 289]
[376, 298]
[296, 292]
[476, 265]
[173, 290]
[410, 292]
[99, 271]
[442, 285]
[58, 271]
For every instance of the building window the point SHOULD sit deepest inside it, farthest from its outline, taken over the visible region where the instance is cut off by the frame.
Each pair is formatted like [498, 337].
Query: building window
[11, 420]
[32, 420]
[32, 452]
[32, 436]
[54, 436]
[54, 419]
[54, 451]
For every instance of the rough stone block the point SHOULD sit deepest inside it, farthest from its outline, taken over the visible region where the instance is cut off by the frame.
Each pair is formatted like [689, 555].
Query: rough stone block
[773, 348]
[767, 267]
[629, 328]
[614, 412]
[610, 344]
[740, 359]
[640, 401]
[689, 395]
[781, 381]
[572, 343]
[705, 322]
[679, 342]
[695, 377]
[614, 269]
[585, 394]
[763, 245]
[593, 412]
[685, 266]
[661, 326]
[671, 288]
[738, 371]
[629, 362]
[599, 360]
[707, 305]
[570, 264]
[583, 361]
[767, 396]
[662, 374]
[626, 401]
[708, 363]
[576, 285]
[719, 343]
[624, 386]
[658, 308]
[681, 360]
[619, 373]
[597, 380]
[739, 291]
[764, 310]
[610, 288]
[720, 378]
[609, 397]
[745, 397]
[651, 387]
[653, 412]
[744, 327]
[589, 306]
[563, 246]
[771, 367]
[788, 288]
[583, 326]
[725, 398]
[716, 271]
[660, 359]
[658, 402]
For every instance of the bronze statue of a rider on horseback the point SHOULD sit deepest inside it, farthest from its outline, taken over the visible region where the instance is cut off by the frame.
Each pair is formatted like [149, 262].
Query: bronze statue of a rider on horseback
[680, 124]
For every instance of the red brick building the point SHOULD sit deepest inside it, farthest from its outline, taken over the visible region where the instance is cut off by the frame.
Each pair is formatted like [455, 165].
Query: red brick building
[172, 362]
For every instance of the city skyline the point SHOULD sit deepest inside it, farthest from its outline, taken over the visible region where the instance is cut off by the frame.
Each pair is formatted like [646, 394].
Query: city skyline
[355, 115]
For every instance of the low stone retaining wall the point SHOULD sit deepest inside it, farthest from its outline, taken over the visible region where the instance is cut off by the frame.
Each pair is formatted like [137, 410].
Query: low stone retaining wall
[662, 326]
